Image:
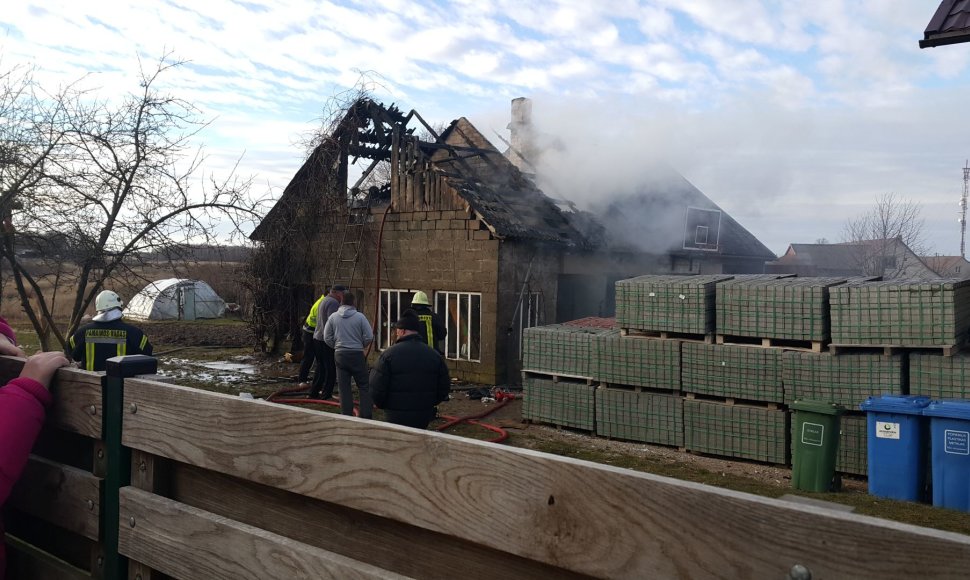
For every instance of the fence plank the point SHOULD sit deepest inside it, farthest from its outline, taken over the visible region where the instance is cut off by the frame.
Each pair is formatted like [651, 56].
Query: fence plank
[189, 543]
[383, 542]
[590, 518]
[77, 397]
[26, 562]
[59, 494]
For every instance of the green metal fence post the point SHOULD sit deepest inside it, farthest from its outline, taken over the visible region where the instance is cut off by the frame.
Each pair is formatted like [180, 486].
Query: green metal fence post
[118, 472]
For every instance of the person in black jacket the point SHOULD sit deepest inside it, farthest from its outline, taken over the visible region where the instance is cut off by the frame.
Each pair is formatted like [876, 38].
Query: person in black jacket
[410, 378]
[106, 337]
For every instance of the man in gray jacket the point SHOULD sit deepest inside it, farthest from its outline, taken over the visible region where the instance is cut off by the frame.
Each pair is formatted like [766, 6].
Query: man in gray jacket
[348, 333]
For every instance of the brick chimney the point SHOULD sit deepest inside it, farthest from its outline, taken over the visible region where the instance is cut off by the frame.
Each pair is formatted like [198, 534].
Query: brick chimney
[523, 153]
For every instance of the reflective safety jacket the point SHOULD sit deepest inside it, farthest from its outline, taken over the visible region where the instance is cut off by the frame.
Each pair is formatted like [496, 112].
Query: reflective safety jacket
[95, 343]
[432, 329]
[311, 320]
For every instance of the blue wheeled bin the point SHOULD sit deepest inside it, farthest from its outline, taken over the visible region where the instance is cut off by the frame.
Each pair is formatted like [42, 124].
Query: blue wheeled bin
[950, 436]
[896, 446]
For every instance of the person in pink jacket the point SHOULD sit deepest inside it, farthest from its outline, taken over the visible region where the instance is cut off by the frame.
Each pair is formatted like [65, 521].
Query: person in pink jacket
[23, 405]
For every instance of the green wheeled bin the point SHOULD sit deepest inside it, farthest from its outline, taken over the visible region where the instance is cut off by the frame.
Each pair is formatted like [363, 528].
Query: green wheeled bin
[815, 444]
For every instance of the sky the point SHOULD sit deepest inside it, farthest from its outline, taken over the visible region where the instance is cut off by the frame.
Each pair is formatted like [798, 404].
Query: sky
[792, 116]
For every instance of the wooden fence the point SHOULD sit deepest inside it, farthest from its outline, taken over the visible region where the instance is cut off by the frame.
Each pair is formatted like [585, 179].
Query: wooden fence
[145, 480]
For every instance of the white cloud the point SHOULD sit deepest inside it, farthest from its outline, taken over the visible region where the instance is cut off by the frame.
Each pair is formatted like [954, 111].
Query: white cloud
[787, 114]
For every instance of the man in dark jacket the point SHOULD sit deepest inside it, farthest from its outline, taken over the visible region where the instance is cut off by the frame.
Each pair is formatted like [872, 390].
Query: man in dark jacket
[410, 378]
[326, 375]
[107, 336]
[432, 329]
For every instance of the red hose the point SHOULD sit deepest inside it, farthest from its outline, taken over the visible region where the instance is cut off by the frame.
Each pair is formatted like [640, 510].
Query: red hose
[450, 420]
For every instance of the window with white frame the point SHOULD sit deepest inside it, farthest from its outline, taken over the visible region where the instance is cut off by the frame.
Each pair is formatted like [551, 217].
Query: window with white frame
[393, 303]
[462, 314]
[530, 314]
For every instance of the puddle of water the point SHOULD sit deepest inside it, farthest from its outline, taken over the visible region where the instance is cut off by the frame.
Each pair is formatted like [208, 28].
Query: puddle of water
[230, 367]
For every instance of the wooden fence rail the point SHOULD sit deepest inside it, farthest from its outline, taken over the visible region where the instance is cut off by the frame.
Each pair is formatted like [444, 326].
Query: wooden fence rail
[222, 487]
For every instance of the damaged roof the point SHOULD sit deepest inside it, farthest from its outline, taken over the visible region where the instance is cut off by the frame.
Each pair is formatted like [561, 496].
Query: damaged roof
[507, 200]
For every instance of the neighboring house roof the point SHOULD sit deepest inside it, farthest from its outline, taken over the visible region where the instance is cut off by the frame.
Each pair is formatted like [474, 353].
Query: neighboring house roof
[654, 216]
[852, 259]
[949, 25]
[949, 266]
[507, 201]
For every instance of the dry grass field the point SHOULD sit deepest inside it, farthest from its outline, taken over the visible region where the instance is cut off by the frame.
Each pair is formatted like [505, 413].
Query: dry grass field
[59, 287]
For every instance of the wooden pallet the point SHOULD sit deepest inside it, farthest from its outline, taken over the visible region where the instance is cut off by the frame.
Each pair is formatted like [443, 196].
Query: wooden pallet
[663, 334]
[555, 377]
[637, 388]
[803, 345]
[730, 401]
[891, 349]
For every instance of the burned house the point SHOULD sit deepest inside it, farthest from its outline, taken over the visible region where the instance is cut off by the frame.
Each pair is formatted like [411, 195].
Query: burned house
[449, 214]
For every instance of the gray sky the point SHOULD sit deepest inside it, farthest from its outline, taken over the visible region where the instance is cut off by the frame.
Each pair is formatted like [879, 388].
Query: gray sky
[791, 116]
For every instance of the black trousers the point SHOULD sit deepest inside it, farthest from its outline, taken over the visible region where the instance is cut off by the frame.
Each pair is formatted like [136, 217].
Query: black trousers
[416, 419]
[308, 356]
[326, 375]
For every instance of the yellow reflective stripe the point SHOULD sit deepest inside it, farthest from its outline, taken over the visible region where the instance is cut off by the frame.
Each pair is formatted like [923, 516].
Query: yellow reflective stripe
[89, 356]
[71, 341]
[144, 341]
[122, 349]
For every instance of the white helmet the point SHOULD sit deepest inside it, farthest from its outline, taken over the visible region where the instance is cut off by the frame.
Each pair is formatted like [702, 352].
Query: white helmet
[107, 300]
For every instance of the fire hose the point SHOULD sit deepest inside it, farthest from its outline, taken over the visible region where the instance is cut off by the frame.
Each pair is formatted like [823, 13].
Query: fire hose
[502, 398]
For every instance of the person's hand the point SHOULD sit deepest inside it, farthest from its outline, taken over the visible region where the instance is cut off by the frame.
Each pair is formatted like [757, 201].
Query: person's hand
[9, 348]
[41, 367]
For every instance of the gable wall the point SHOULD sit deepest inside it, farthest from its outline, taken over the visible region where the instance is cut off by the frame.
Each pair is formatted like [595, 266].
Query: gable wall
[430, 250]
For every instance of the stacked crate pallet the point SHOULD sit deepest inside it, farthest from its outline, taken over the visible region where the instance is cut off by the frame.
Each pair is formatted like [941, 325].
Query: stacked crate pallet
[639, 394]
[567, 403]
[907, 314]
[844, 379]
[733, 395]
[560, 349]
[790, 310]
[853, 457]
[939, 377]
[744, 372]
[557, 385]
[667, 304]
[742, 431]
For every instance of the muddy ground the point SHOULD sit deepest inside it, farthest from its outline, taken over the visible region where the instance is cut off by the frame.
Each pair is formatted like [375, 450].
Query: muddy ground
[219, 357]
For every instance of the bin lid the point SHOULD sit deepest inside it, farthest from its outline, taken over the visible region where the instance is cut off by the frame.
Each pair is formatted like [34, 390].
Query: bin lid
[906, 404]
[949, 409]
[823, 407]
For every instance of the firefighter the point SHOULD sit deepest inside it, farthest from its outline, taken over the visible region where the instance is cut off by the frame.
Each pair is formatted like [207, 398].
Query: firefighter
[107, 336]
[432, 329]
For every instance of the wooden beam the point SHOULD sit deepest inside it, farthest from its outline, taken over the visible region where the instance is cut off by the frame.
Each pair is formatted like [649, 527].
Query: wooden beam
[27, 561]
[65, 496]
[77, 398]
[589, 518]
[189, 543]
[385, 543]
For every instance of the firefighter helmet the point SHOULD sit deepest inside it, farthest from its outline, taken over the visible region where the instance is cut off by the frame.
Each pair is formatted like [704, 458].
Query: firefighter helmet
[107, 300]
[420, 298]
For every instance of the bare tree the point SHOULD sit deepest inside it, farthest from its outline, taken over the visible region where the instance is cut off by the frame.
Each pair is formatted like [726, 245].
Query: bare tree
[882, 235]
[110, 181]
